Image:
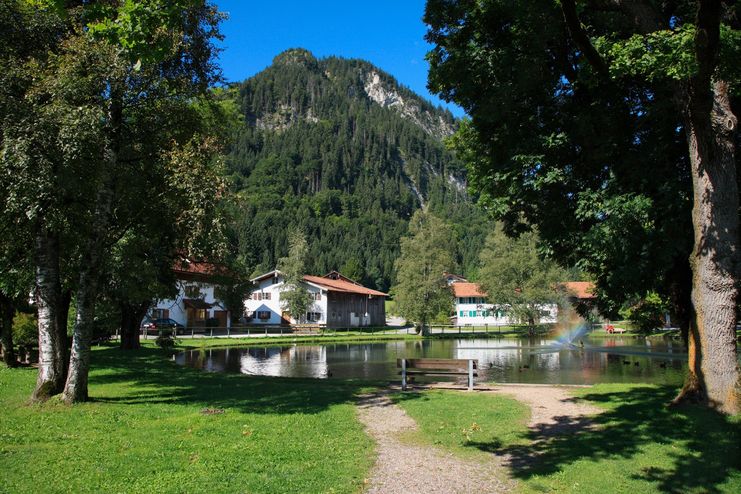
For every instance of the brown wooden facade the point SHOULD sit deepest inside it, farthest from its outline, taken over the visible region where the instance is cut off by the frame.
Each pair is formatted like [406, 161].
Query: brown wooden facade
[348, 309]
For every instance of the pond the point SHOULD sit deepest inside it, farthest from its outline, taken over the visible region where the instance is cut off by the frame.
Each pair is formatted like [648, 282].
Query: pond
[536, 360]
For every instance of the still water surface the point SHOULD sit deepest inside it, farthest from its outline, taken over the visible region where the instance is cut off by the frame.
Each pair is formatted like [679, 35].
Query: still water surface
[537, 360]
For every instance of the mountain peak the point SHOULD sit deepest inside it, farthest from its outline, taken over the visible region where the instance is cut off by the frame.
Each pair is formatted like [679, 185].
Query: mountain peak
[295, 56]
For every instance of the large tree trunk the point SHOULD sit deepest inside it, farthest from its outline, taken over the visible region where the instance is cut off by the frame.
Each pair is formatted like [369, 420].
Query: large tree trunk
[6, 329]
[131, 317]
[713, 375]
[50, 379]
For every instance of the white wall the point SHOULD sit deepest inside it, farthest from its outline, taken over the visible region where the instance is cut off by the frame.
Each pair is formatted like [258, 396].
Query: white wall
[177, 306]
[470, 311]
[274, 286]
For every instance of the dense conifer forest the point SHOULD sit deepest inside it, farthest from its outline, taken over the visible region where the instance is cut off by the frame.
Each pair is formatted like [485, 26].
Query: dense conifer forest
[339, 149]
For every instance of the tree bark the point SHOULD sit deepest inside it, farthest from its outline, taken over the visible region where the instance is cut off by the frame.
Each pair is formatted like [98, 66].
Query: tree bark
[50, 379]
[7, 311]
[76, 387]
[131, 316]
[713, 375]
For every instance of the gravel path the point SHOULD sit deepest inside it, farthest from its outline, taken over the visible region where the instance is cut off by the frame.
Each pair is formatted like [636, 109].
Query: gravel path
[408, 468]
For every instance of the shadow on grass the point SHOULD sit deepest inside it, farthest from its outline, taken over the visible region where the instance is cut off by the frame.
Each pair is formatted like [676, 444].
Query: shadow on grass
[705, 444]
[147, 376]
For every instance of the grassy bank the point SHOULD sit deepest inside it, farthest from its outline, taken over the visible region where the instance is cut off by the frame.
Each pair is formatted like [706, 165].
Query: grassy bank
[154, 426]
[195, 343]
[637, 445]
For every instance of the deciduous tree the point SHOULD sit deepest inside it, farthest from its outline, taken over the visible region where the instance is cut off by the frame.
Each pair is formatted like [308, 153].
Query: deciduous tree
[599, 124]
[421, 291]
[517, 278]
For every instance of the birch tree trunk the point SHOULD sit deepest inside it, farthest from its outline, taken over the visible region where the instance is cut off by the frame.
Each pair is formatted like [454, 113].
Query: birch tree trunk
[76, 387]
[50, 380]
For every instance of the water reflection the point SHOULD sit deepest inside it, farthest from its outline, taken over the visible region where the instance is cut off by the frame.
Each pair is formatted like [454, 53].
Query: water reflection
[537, 360]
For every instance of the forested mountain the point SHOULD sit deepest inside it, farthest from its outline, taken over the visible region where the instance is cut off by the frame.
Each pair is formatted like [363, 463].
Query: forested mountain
[339, 149]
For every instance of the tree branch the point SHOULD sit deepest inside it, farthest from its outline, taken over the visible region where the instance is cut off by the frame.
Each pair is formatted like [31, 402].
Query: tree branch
[581, 38]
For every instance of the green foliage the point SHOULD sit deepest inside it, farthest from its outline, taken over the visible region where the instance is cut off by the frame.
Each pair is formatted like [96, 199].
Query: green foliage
[25, 331]
[166, 339]
[421, 292]
[647, 313]
[599, 167]
[515, 275]
[316, 153]
[294, 296]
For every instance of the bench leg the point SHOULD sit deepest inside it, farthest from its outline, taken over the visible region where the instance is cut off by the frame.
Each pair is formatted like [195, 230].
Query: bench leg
[470, 375]
[404, 374]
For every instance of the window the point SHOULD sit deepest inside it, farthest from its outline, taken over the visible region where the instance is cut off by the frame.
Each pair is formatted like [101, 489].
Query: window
[192, 291]
[201, 314]
[313, 316]
[263, 315]
[160, 314]
[463, 314]
[316, 296]
[472, 313]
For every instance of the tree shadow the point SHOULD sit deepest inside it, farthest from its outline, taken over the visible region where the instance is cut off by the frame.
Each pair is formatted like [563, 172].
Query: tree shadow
[146, 376]
[707, 452]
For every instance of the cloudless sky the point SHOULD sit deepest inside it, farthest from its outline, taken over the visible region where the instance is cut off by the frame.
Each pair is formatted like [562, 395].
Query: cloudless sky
[387, 33]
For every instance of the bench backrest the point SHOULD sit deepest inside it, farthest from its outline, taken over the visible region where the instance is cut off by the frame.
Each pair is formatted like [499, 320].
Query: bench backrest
[438, 364]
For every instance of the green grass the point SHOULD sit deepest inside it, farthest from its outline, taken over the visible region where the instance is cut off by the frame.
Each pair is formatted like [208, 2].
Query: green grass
[461, 422]
[144, 432]
[638, 446]
[195, 343]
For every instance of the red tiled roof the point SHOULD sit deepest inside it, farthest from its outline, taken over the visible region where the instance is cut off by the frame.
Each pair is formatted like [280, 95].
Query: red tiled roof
[580, 289]
[342, 286]
[198, 268]
[465, 289]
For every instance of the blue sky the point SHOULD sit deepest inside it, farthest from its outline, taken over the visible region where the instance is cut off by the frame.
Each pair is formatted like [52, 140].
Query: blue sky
[389, 34]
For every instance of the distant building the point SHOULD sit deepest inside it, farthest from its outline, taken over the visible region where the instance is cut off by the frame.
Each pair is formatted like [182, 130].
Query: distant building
[196, 301]
[473, 308]
[338, 301]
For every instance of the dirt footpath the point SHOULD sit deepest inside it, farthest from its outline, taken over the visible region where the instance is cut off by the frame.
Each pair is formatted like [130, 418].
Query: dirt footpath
[408, 468]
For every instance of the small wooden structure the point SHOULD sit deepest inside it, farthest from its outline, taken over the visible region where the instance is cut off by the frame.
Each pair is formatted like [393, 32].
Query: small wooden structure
[437, 367]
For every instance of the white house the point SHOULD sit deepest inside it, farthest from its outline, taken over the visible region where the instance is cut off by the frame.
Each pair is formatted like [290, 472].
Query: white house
[196, 301]
[473, 309]
[337, 301]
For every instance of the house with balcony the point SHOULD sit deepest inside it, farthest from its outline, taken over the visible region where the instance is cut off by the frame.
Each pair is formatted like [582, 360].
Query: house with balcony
[197, 298]
[337, 301]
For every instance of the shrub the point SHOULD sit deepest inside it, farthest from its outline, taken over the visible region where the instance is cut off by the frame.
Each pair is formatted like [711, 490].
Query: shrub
[25, 330]
[166, 339]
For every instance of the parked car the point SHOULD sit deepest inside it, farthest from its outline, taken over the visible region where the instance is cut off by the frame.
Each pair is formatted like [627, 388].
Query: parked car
[158, 324]
[147, 323]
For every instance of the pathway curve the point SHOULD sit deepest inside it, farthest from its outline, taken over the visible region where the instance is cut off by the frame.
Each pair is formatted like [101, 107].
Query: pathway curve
[409, 468]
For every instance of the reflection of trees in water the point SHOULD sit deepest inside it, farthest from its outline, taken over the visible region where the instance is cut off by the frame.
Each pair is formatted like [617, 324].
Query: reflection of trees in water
[502, 360]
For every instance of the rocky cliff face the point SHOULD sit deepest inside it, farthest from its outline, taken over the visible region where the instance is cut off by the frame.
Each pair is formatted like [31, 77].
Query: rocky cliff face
[387, 96]
[342, 150]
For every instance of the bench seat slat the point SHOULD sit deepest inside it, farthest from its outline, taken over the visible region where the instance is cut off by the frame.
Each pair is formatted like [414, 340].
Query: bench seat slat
[439, 373]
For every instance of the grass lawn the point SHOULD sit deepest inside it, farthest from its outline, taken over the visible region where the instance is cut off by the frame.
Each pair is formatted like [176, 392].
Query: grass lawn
[638, 446]
[460, 421]
[145, 431]
[196, 343]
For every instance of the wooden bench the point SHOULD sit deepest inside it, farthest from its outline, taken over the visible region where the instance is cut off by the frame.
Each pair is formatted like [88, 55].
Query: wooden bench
[437, 367]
